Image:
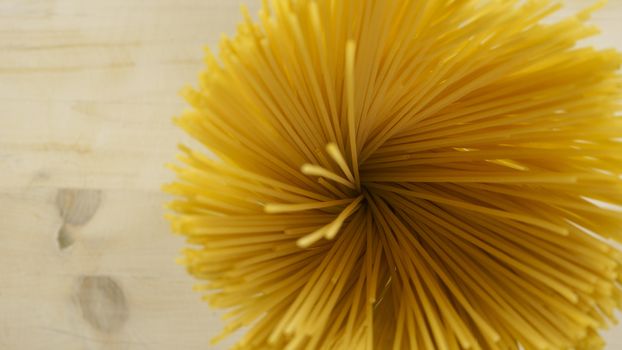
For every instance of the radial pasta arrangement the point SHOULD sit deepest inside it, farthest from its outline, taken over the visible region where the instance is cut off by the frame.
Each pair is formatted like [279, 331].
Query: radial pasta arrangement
[397, 174]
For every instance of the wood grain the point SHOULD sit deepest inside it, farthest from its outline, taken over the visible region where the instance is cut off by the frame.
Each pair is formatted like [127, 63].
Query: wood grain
[87, 92]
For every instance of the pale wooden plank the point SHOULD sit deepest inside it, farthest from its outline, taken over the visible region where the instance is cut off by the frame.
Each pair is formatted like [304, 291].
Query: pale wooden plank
[88, 88]
[87, 93]
[126, 242]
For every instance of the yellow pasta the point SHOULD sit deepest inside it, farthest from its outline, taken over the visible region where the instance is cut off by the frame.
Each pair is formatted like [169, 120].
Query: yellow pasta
[406, 174]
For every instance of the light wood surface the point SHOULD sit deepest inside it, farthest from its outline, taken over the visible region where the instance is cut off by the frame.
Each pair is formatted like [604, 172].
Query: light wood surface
[87, 92]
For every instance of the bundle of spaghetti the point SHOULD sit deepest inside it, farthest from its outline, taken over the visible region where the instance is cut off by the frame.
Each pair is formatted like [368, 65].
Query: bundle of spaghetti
[406, 174]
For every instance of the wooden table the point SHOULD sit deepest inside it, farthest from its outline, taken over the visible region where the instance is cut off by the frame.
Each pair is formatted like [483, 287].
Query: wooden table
[87, 92]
